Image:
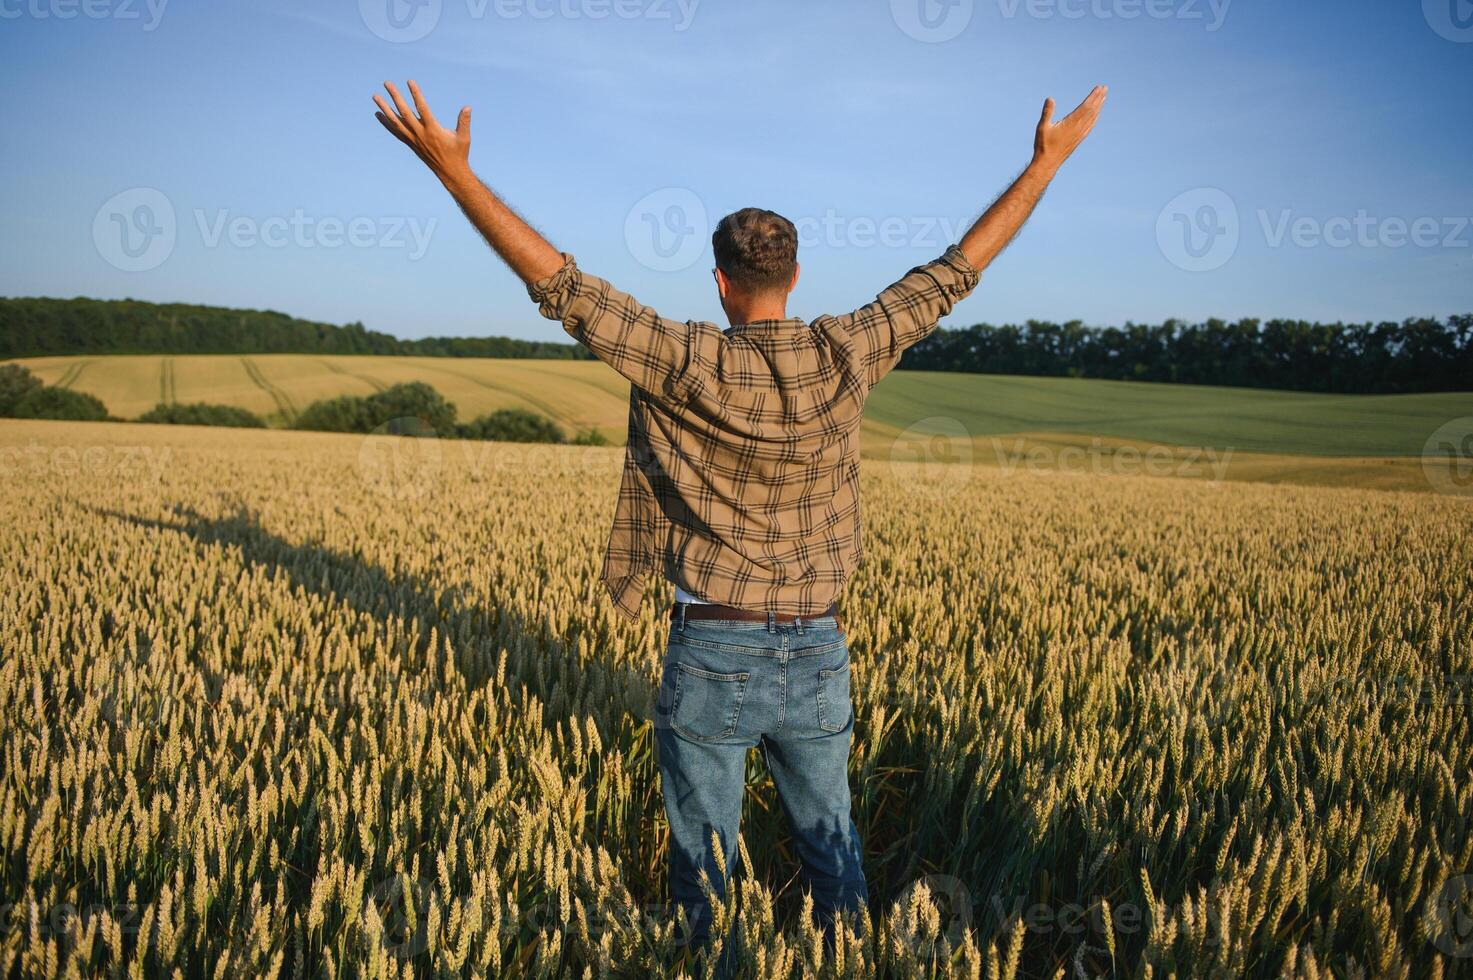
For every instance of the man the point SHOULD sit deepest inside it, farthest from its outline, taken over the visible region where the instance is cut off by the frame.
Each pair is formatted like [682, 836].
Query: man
[740, 486]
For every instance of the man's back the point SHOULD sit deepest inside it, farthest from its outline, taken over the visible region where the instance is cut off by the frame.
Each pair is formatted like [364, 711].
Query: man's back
[741, 478]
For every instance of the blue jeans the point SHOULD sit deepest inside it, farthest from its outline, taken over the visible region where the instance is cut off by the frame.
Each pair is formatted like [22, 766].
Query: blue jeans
[727, 687]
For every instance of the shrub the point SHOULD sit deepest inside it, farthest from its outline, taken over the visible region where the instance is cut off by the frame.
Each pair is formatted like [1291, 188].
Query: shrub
[16, 382]
[203, 413]
[415, 400]
[590, 437]
[346, 413]
[513, 425]
[407, 409]
[59, 403]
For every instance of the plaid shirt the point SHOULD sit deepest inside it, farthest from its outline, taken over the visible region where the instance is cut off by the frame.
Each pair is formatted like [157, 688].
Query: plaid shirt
[741, 475]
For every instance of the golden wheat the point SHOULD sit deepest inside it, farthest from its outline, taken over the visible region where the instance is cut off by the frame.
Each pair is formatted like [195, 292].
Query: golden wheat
[295, 704]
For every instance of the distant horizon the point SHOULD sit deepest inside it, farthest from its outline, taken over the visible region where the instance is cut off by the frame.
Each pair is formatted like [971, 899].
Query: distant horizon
[562, 339]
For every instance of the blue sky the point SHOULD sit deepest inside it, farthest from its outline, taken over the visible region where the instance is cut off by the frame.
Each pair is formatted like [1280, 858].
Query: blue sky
[1257, 158]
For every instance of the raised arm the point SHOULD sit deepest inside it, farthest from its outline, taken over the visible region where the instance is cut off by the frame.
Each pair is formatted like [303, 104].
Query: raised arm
[1052, 145]
[653, 353]
[447, 153]
[874, 336]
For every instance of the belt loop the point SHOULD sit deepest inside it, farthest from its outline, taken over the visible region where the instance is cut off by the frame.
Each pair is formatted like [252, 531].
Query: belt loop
[798, 624]
[680, 608]
[772, 622]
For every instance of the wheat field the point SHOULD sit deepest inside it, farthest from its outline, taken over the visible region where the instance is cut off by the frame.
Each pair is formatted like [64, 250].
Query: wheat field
[290, 704]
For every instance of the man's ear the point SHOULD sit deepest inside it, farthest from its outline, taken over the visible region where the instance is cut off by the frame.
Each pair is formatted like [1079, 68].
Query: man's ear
[797, 269]
[723, 284]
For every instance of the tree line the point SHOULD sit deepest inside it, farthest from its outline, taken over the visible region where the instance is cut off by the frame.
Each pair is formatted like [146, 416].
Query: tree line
[1415, 355]
[36, 327]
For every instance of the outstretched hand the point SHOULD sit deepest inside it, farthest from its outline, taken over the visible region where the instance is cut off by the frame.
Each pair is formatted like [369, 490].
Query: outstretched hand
[443, 150]
[1055, 141]
[447, 153]
[999, 224]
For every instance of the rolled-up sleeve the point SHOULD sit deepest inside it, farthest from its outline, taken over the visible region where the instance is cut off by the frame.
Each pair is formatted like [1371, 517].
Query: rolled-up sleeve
[877, 333]
[647, 349]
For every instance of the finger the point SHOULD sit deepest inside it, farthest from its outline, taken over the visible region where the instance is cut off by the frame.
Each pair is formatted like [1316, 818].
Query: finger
[1048, 112]
[1086, 105]
[425, 115]
[389, 116]
[398, 132]
[463, 124]
[410, 121]
[1095, 99]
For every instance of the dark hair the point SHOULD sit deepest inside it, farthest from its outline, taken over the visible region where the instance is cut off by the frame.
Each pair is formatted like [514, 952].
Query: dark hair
[756, 249]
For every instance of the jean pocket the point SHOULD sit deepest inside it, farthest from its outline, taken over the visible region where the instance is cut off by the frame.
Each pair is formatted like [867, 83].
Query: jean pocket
[706, 705]
[833, 699]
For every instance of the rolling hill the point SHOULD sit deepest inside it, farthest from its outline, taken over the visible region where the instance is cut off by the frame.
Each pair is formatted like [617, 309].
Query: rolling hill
[1273, 435]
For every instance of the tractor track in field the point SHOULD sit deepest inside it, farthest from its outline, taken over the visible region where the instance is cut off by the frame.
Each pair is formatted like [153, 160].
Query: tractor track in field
[607, 389]
[72, 374]
[168, 389]
[367, 379]
[284, 403]
[546, 408]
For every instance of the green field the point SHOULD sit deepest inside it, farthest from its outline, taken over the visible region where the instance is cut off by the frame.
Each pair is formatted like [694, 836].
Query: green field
[1276, 436]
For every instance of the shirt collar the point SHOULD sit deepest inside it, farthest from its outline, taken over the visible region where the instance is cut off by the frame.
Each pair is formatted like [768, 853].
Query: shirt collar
[766, 326]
